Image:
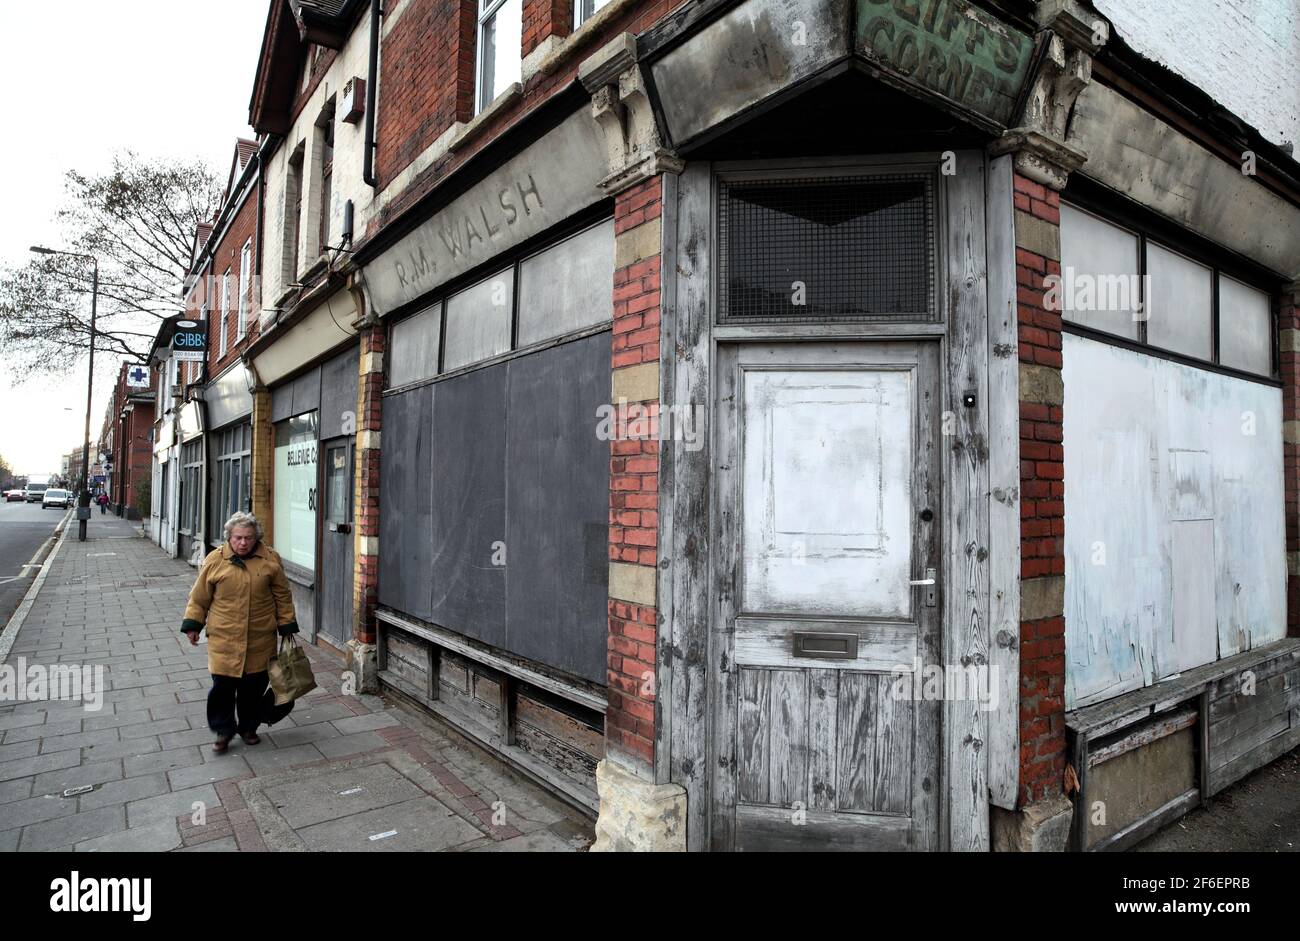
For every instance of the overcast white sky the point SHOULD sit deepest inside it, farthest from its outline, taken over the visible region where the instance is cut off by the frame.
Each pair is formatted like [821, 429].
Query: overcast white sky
[87, 78]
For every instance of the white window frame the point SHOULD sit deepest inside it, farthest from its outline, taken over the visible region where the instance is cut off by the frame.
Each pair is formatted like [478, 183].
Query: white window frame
[577, 11]
[245, 262]
[487, 10]
[225, 309]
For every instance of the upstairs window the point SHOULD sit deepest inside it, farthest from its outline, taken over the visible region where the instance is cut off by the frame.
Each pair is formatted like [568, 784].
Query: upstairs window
[325, 144]
[225, 309]
[500, 45]
[584, 10]
[245, 277]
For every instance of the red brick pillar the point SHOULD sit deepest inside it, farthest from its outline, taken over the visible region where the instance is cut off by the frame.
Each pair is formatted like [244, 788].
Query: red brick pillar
[634, 475]
[1289, 348]
[545, 18]
[365, 509]
[1042, 492]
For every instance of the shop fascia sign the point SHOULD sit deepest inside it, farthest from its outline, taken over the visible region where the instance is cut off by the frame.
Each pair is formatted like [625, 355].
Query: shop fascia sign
[545, 183]
[190, 341]
[950, 48]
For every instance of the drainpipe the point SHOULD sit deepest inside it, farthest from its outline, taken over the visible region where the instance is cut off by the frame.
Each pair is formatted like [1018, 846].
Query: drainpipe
[372, 89]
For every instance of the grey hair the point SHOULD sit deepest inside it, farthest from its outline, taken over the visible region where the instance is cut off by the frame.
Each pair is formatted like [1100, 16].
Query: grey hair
[243, 519]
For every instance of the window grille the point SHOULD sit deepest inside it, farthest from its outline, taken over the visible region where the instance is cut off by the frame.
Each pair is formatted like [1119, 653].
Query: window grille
[856, 248]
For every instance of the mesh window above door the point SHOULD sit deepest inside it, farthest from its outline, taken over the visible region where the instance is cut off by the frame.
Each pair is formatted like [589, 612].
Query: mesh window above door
[818, 250]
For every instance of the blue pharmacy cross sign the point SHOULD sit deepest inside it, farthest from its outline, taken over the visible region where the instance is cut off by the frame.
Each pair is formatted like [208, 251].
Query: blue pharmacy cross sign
[137, 376]
[190, 341]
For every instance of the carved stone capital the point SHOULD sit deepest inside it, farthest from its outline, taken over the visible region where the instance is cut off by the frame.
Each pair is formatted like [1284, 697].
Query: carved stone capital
[1039, 142]
[1040, 158]
[622, 110]
[1078, 24]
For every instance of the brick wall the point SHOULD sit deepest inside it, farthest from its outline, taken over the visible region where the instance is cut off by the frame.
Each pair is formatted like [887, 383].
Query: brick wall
[226, 254]
[634, 475]
[1289, 336]
[409, 121]
[365, 580]
[426, 77]
[1042, 489]
[544, 18]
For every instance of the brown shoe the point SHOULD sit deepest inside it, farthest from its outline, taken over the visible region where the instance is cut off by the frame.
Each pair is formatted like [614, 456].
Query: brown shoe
[221, 744]
[250, 738]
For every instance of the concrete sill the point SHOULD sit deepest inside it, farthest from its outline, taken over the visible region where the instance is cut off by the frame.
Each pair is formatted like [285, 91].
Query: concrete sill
[579, 38]
[474, 129]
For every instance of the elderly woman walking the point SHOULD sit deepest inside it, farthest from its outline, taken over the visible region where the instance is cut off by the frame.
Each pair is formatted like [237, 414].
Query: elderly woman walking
[242, 597]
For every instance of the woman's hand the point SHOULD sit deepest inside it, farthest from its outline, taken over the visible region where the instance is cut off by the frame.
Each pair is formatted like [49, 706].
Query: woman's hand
[193, 636]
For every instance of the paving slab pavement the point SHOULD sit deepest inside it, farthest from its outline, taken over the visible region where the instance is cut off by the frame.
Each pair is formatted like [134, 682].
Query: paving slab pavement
[130, 769]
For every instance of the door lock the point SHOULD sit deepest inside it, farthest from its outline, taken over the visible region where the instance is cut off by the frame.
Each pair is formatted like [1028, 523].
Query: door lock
[929, 582]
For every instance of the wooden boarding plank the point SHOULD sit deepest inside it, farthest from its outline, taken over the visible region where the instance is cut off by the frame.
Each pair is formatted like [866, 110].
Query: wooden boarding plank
[788, 752]
[685, 378]
[1165, 725]
[1250, 716]
[573, 733]
[1004, 482]
[882, 647]
[823, 691]
[454, 642]
[1241, 766]
[1247, 742]
[1140, 829]
[752, 727]
[773, 829]
[966, 490]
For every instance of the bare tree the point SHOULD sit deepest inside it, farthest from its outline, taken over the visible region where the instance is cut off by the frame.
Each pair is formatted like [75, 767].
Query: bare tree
[139, 220]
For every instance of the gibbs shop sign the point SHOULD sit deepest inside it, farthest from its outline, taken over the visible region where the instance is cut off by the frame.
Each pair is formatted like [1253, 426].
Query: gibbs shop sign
[948, 47]
[190, 341]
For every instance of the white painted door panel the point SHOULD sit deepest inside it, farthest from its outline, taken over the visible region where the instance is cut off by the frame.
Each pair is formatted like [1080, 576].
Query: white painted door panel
[827, 492]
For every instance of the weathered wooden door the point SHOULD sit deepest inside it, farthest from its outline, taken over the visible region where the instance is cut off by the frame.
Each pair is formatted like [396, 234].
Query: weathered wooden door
[827, 577]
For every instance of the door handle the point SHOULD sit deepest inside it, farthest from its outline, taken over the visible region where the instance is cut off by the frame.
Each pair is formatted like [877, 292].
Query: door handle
[930, 580]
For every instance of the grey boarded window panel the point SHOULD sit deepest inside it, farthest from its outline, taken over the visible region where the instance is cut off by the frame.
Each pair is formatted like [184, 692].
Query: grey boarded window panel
[338, 394]
[306, 392]
[413, 347]
[1180, 303]
[558, 507]
[1245, 327]
[406, 503]
[468, 520]
[478, 321]
[826, 249]
[1099, 273]
[568, 286]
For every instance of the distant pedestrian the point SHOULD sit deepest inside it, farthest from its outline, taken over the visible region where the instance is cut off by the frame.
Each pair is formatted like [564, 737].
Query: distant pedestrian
[102, 500]
[241, 597]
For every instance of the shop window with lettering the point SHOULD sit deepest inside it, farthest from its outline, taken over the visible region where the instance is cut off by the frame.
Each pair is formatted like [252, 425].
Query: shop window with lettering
[295, 490]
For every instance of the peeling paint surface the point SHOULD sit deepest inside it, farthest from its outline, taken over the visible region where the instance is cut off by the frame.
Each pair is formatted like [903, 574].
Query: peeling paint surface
[1174, 539]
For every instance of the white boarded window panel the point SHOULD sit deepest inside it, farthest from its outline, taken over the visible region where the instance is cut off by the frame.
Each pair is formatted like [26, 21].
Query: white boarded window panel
[1174, 549]
[1245, 327]
[827, 492]
[413, 351]
[478, 321]
[567, 287]
[1099, 267]
[1179, 304]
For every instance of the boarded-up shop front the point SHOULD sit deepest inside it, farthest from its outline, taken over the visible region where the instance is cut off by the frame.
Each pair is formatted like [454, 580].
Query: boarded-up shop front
[1179, 676]
[311, 369]
[494, 485]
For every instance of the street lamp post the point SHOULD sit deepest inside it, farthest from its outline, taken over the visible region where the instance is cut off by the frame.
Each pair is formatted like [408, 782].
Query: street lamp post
[83, 498]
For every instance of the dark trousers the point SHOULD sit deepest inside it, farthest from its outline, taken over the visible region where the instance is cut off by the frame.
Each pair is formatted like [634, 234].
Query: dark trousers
[249, 697]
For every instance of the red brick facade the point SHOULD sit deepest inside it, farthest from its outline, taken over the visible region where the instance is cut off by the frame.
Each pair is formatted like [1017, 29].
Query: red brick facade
[634, 488]
[545, 18]
[1289, 334]
[1042, 506]
[431, 48]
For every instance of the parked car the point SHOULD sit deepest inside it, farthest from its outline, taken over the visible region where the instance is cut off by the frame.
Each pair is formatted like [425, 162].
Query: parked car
[16, 496]
[59, 498]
